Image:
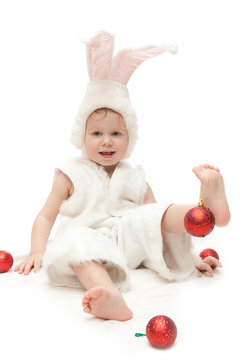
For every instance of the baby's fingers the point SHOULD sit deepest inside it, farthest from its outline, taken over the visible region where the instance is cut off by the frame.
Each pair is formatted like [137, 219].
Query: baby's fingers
[24, 267]
[210, 260]
[206, 267]
[37, 265]
[199, 273]
[17, 267]
[20, 268]
[28, 267]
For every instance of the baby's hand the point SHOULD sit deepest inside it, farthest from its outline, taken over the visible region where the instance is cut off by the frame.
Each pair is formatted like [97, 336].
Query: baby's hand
[205, 265]
[32, 261]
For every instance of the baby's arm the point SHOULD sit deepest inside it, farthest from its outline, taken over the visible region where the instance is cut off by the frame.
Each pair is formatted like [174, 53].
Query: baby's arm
[62, 188]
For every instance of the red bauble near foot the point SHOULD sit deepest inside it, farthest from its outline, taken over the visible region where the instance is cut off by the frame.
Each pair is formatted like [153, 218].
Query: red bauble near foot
[199, 221]
[161, 331]
[6, 261]
[209, 252]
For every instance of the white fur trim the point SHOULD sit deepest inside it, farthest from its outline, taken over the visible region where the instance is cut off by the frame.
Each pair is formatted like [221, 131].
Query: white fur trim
[141, 238]
[78, 246]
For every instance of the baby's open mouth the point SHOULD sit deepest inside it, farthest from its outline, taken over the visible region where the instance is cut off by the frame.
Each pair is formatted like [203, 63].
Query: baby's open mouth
[107, 154]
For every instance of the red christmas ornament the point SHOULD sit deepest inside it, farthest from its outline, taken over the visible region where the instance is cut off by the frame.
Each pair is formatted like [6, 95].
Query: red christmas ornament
[199, 221]
[209, 252]
[6, 261]
[161, 331]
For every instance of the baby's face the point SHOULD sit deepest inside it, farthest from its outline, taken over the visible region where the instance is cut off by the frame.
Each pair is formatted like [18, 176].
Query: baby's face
[106, 138]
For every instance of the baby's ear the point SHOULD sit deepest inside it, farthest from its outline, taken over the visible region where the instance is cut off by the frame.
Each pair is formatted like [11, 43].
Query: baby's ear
[99, 56]
[127, 61]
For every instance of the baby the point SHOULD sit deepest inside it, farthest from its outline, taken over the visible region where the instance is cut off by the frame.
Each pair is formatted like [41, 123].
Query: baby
[110, 220]
[106, 142]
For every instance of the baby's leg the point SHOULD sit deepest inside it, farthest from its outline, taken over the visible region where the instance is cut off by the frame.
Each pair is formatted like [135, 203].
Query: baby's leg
[173, 219]
[103, 299]
[213, 196]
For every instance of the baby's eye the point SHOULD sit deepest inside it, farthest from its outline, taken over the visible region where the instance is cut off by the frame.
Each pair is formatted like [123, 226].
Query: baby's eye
[97, 133]
[116, 133]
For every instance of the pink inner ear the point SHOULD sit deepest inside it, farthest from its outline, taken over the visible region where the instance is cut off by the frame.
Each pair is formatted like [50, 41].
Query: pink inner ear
[100, 52]
[127, 61]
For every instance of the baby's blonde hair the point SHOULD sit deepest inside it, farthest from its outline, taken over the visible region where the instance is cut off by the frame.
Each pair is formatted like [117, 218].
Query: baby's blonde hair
[101, 113]
[104, 111]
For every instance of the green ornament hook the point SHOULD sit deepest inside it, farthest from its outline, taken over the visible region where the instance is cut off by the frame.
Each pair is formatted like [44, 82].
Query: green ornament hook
[139, 334]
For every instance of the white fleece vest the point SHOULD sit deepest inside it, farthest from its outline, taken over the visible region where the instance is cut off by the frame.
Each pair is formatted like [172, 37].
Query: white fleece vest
[97, 197]
[127, 235]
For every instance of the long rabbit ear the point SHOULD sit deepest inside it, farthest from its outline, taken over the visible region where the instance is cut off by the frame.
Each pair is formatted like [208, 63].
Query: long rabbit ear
[99, 56]
[127, 61]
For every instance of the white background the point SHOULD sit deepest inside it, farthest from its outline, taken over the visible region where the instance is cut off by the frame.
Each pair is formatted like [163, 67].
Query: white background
[187, 104]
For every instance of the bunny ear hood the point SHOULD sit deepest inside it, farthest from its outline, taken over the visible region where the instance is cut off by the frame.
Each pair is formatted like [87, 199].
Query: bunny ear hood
[108, 84]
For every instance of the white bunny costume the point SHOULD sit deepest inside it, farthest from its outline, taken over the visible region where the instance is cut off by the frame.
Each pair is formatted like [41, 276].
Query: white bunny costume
[105, 219]
[107, 86]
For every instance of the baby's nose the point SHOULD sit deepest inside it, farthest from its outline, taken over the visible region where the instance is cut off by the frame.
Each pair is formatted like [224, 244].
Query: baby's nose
[107, 140]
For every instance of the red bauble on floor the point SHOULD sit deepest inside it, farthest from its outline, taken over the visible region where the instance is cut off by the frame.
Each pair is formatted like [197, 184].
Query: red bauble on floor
[199, 221]
[6, 261]
[209, 252]
[161, 331]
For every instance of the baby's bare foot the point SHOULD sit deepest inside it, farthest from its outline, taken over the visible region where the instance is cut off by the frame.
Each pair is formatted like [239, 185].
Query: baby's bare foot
[106, 303]
[213, 192]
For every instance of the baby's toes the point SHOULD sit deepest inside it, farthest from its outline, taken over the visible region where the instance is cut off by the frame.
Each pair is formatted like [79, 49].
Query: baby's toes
[87, 308]
[207, 166]
[198, 170]
[85, 304]
[86, 298]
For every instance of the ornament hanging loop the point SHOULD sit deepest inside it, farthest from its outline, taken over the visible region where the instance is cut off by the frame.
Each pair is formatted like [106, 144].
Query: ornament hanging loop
[201, 202]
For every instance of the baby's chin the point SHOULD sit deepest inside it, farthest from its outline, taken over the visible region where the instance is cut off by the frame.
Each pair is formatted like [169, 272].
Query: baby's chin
[105, 161]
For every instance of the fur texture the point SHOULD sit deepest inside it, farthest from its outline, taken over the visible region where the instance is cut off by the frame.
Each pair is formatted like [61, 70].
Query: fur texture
[168, 254]
[81, 245]
[105, 220]
[107, 87]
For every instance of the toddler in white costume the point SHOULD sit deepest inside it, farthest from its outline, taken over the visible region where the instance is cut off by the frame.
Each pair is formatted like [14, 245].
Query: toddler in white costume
[105, 220]
[110, 221]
